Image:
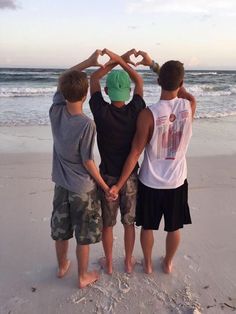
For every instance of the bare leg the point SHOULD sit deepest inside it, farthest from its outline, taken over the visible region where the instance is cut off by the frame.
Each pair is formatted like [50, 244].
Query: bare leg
[129, 239]
[63, 263]
[172, 243]
[147, 241]
[107, 242]
[85, 277]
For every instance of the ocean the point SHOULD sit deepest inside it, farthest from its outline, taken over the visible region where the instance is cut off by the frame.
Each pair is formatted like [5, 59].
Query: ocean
[26, 93]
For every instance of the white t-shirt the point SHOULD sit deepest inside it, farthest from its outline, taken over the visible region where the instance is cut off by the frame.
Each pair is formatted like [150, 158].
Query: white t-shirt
[164, 165]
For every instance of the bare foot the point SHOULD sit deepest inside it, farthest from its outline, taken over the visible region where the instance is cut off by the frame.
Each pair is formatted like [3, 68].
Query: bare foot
[62, 271]
[129, 265]
[147, 268]
[167, 267]
[88, 278]
[103, 263]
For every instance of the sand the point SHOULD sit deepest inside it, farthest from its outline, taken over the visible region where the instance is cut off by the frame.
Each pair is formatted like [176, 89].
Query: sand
[204, 274]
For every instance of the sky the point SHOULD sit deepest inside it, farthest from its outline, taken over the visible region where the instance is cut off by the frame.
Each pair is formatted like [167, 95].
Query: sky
[61, 33]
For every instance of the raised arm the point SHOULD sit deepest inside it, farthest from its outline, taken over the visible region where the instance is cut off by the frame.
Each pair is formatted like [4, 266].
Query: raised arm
[142, 136]
[91, 61]
[147, 61]
[182, 93]
[100, 73]
[135, 77]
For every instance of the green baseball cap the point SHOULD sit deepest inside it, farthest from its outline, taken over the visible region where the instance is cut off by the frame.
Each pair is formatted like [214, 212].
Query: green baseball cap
[118, 85]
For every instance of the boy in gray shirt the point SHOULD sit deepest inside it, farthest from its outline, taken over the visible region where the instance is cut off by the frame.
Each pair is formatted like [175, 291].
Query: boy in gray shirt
[76, 207]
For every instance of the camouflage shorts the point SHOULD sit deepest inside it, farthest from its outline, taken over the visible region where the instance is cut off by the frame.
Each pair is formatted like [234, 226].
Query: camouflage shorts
[76, 213]
[126, 201]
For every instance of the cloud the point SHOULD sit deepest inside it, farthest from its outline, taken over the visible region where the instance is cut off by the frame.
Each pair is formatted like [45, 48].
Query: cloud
[201, 7]
[8, 4]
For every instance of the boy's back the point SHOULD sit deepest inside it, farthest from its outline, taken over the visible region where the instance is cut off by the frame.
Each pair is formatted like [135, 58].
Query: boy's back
[167, 148]
[115, 131]
[73, 138]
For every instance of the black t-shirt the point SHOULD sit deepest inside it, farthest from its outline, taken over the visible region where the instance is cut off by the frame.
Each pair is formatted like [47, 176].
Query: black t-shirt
[115, 131]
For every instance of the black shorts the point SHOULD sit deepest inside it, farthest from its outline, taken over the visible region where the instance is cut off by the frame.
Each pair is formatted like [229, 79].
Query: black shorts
[153, 203]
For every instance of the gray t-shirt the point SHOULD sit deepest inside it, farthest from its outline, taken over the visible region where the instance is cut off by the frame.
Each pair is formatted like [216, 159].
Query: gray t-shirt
[73, 141]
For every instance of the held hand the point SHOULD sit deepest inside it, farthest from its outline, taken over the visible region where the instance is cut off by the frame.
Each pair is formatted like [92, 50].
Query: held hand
[114, 191]
[111, 196]
[94, 58]
[114, 58]
[146, 58]
[126, 56]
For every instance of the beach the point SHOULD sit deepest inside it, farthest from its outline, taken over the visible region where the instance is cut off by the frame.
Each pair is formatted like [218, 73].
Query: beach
[204, 273]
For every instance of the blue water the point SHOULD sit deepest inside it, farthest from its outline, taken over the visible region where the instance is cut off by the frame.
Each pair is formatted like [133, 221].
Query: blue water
[26, 94]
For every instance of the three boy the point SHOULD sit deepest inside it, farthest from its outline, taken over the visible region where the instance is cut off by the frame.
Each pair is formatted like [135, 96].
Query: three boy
[164, 129]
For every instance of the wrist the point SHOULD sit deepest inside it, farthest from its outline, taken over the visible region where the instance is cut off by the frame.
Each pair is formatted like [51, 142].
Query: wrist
[154, 67]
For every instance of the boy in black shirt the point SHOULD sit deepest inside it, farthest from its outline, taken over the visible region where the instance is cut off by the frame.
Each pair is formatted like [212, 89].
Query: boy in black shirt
[116, 124]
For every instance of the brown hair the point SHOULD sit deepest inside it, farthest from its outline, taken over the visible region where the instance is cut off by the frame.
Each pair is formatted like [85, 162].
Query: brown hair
[171, 75]
[73, 85]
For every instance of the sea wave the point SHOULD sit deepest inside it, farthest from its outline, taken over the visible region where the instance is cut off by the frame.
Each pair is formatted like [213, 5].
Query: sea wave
[211, 115]
[26, 91]
[202, 73]
[211, 90]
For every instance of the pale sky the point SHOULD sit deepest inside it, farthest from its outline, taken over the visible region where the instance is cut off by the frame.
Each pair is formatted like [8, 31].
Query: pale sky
[60, 33]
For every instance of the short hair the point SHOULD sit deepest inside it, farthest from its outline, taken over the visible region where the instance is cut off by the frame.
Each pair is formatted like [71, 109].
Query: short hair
[73, 85]
[171, 75]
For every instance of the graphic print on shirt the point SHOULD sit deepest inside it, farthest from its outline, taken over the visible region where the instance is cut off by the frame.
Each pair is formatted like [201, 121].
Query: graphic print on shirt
[170, 130]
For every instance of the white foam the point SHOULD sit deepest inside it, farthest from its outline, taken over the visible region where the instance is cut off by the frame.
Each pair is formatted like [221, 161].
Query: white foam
[26, 91]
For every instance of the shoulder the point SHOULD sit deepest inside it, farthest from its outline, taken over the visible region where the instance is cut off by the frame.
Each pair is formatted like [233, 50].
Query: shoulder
[58, 103]
[137, 102]
[58, 98]
[97, 102]
[89, 123]
[145, 115]
[95, 97]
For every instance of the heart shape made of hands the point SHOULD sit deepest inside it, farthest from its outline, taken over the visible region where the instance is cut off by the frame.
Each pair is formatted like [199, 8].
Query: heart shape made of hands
[103, 59]
[132, 56]
[136, 58]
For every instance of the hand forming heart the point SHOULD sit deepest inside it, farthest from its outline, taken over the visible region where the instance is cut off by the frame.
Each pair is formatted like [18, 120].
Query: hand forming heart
[99, 57]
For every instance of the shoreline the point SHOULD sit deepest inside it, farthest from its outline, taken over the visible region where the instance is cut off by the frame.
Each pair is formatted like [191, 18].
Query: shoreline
[211, 137]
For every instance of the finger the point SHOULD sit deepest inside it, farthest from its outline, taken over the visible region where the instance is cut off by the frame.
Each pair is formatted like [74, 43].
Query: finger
[140, 53]
[104, 51]
[132, 51]
[98, 51]
[100, 65]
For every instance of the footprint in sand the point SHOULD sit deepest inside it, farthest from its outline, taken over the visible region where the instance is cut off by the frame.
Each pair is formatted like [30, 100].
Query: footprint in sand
[193, 265]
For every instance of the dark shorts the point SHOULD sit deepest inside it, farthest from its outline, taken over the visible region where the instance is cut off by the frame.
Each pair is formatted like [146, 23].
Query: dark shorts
[153, 203]
[126, 201]
[76, 213]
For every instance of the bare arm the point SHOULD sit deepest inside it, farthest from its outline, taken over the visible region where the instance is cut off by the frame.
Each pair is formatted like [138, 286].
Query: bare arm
[182, 93]
[135, 77]
[96, 76]
[94, 172]
[154, 66]
[142, 136]
[100, 73]
[91, 61]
